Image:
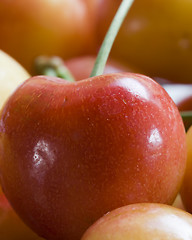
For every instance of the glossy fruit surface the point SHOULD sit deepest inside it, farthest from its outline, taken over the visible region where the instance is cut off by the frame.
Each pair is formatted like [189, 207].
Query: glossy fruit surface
[11, 75]
[155, 37]
[142, 221]
[32, 28]
[186, 190]
[11, 226]
[74, 151]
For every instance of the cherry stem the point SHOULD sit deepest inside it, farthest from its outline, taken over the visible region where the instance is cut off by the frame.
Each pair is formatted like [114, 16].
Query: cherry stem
[109, 39]
[52, 66]
[186, 115]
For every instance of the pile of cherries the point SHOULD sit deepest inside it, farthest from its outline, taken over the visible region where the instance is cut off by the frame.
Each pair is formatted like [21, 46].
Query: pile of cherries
[95, 154]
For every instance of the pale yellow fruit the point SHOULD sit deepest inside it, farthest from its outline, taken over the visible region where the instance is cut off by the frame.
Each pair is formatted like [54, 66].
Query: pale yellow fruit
[12, 74]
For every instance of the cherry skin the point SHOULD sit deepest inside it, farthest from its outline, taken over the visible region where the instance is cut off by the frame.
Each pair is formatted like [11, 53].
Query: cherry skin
[142, 221]
[72, 151]
[11, 226]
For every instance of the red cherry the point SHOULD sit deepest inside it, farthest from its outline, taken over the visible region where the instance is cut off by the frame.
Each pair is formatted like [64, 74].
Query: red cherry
[71, 152]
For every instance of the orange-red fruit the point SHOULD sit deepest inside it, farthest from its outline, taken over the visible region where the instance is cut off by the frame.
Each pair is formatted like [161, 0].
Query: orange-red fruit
[32, 28]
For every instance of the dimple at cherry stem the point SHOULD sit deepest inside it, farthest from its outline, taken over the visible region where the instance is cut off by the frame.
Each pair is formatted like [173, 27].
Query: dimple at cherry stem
[52, 66]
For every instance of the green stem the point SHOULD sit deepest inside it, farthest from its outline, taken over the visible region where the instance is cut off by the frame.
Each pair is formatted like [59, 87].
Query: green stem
[52, 66]
[110, 37]
[186, 115]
